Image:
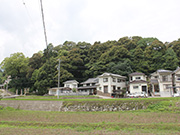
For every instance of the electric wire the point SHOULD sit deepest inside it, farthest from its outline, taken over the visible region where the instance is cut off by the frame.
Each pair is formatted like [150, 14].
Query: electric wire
[28, 13]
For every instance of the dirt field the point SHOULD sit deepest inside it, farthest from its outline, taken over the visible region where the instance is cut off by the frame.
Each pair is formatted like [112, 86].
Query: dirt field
[101, 123]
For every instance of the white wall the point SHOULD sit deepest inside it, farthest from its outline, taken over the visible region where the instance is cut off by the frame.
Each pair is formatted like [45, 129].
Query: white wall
[110, 84]
[138, 90]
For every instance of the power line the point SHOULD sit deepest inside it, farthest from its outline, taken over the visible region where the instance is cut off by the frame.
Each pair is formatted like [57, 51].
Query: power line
[28, 13]
[43, 23]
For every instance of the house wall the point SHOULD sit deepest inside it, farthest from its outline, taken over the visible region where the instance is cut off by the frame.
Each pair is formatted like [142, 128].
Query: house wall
[110, 83]
[137, 90]
[71, 85]
[142, 77]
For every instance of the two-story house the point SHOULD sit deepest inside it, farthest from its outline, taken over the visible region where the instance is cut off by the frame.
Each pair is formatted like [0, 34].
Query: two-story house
[68, 87]
[109, 82]
[161, 82]
[73, 84]
[89, 86]
[176, 80]
[137, 83]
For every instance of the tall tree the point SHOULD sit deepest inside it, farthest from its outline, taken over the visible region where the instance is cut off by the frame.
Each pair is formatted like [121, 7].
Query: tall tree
[16, 66]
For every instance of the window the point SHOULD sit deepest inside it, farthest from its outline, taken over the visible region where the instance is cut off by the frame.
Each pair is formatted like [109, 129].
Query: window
[118, 88]
[119, 80]
[114, 79]
[164, 78]
[99, 88]
[138, 78]
[105, 79]
[135, 87]
[167, 86]
[67, 85]
[114, 87]
[178, 78]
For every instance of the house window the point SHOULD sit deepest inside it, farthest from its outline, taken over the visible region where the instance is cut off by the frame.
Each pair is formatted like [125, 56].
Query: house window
[178, 79]
[99, 88]
[105, 79]
[138, 78]
[93, 84]
[135, 87]
[114, 87]
[68, 86]
[119, 80]
[167, 86]
[164, 78]
[118, 88]
[114, 79]
[131, 78]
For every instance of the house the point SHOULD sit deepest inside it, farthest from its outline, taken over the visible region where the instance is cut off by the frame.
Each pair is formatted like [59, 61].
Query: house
[161, 82]
[137, 83]
[176, 80]
[109, 82]
[68, 88]
[73, 84]
[89, 86]
[54, 91]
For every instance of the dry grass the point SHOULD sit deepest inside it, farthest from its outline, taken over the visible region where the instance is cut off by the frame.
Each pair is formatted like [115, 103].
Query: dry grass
[79, 117]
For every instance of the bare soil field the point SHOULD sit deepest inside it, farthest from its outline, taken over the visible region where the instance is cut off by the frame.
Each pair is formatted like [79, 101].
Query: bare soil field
[102, 123]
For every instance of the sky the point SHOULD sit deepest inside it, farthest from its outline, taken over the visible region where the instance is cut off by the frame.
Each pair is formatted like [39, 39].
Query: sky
[21, 28]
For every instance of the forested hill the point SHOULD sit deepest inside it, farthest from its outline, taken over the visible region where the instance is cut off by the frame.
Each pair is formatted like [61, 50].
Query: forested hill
[82, 60]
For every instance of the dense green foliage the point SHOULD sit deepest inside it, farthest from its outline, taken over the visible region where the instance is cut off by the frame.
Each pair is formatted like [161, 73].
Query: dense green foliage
[82, 60]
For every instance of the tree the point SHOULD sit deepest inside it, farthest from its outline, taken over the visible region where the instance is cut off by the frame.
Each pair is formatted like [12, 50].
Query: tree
[171, 60]
[46, 76]
[16, 66]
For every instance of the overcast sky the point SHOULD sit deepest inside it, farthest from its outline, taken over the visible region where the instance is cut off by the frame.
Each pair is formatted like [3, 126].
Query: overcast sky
[21, 28]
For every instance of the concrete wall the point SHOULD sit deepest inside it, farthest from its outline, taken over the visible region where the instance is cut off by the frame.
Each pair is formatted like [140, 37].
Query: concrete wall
[33, 105]
[76, 105]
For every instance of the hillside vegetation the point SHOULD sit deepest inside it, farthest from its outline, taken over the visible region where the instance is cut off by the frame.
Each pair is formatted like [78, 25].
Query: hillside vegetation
[83, 60]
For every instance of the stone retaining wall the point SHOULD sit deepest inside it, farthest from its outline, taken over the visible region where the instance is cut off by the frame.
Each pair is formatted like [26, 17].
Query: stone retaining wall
[74, 106]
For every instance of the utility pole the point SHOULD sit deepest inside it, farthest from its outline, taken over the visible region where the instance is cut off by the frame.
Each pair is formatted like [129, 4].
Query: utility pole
[58, 78]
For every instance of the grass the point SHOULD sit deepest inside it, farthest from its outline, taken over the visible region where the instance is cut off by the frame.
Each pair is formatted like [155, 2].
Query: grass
[160, 118]
[87, 98]
[127, 122]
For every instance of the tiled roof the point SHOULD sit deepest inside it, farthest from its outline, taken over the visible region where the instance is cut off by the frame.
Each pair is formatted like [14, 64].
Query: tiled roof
[71, 81]
[111, 74]
[138, 81]
[136, 73]
[164, 71]
[90, 80]
[86, 87]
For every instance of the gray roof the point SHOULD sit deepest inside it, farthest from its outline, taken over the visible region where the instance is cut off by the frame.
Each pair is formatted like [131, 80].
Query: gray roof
[138, 81]
[111, 74]
[90, 80]
[164, 71]
[178, 68]
[86, 87]
[136, 73]
[71, 81]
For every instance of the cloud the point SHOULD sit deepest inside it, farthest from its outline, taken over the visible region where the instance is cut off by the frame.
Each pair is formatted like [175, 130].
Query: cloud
[21, 27]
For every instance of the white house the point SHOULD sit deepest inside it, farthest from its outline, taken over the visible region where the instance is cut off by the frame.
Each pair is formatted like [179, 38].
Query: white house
[137, 83]
[71, 84]
[68, 88]
[176, 80]
[161, 82]
[109, 82]
[89, 86]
